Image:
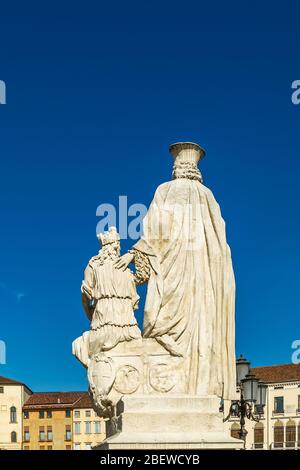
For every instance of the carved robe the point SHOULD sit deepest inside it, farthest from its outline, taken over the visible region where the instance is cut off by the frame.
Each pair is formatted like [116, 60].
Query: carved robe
[191, 290]
[115, 298]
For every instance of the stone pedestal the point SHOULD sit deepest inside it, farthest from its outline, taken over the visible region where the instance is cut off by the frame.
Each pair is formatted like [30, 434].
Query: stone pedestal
[168, 422]
[148, 387]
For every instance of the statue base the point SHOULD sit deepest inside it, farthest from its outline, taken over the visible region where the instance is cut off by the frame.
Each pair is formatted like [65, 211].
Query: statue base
[152, 410]
[170, 422]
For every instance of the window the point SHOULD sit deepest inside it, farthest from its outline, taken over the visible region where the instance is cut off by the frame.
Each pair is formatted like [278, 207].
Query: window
[278, 434]
[88, 427]
[26, 414]
[290, 433]
[88, 413]
[259, 436]
[97, 427]
[49, 433]
[77, 446]
[278, 405]
[13, 436]
[26, 447]
[26, 434]
[49, 447]
[68, 447]
[42, 447]
[77, 427]
[41, 414]
[13, 414]
[77, 414]
[88, 446]
[1, 389]
[49, 414]
[42, 435]
[234, 408]
[258, 409]
[68, 413]
[68, 432]
[235, 431]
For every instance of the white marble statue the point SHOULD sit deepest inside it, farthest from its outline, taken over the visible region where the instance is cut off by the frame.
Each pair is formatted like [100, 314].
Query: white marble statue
[109, 297]
[162, 388]
[191, 290]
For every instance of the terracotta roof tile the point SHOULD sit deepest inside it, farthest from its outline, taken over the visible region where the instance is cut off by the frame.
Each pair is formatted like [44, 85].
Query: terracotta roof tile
[278, 373]
[52, 400]
[84, 402]
[7, 381]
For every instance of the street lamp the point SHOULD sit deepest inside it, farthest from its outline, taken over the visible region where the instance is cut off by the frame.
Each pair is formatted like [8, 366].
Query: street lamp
[261, 396]
[252, 392]
[242, 368]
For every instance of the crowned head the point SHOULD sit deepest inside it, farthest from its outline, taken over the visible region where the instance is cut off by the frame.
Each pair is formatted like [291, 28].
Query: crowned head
[110, 240]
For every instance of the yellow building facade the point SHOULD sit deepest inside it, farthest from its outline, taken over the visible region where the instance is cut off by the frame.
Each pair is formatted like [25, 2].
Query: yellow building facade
[47, 421]
[88, 429]
[61, 421]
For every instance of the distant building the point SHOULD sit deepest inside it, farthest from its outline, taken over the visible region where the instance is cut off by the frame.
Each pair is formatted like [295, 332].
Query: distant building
[47, 420]
[60, 421]
[88, 428]
[279, 425]
[13, 395]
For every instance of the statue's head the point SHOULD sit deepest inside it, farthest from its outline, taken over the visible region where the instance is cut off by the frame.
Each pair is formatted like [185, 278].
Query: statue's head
[110, 241]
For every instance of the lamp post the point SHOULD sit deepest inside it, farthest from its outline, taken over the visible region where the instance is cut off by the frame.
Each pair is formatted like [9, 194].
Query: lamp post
[252, 392]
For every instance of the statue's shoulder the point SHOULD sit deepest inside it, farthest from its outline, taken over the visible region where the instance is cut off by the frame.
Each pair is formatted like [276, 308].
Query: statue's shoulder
[94, 261]
[162, 188]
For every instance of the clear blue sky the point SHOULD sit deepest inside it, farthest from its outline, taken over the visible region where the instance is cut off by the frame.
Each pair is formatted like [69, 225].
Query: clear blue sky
[96, 92]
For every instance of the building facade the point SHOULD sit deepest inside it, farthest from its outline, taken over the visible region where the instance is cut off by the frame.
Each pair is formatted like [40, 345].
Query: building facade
[88, 429]
[61, 421]
[279, 425]
[13, 395]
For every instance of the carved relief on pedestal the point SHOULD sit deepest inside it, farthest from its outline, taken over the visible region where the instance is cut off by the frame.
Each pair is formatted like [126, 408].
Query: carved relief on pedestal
[162, 377]
[127, 379]
[101, 376]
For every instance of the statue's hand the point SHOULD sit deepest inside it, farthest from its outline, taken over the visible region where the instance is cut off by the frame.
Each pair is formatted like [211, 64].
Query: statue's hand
[124, 261]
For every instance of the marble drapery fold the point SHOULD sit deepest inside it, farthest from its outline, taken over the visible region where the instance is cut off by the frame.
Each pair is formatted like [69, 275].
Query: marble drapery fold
[191, 290]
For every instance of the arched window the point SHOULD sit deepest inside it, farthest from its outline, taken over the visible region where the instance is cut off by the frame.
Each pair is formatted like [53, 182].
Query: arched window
[235, 431]
[13, 436]
[13, 414]
[290, 433]
[259, 436]
[278, 434]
